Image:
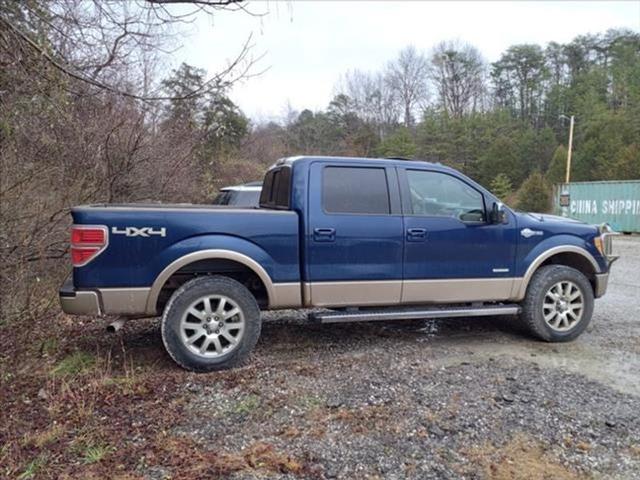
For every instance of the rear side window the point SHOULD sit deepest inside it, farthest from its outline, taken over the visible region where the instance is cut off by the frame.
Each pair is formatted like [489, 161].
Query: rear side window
[355, 190]
[276, 189]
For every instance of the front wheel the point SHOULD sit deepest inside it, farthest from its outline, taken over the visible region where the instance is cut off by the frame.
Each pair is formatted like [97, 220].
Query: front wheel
[210, 323]
[558, 305]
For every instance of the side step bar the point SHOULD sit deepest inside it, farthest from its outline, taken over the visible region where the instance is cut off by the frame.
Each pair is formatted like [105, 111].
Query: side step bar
[414, 314]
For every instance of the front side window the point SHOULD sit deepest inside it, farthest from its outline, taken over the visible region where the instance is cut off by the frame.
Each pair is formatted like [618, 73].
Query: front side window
[441, 195]
[355, 190]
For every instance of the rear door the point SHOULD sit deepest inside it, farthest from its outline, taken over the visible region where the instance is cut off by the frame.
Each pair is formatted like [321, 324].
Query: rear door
[354, 237]
[452, 253]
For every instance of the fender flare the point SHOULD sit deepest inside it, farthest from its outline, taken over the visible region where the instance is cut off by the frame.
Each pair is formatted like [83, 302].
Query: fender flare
[177, 264]
[521, 289]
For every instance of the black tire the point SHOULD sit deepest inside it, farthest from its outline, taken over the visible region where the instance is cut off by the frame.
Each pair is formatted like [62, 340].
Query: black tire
[173, 331]
[532, 306]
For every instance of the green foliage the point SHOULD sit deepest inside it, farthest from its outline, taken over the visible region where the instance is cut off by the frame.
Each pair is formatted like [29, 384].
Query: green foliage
[501, 186]
[246, 406]
[399, 144]
[627, 162]
[520, 75]
[75, 364]
[558, 167]
[534, 195]
[95, 453]
[33, 467]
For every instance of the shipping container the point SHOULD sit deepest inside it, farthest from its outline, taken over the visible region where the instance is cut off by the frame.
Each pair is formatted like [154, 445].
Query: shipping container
[616, 203]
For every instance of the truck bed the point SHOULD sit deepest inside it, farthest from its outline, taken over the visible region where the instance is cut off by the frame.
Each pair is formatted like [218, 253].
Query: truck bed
[132, 259]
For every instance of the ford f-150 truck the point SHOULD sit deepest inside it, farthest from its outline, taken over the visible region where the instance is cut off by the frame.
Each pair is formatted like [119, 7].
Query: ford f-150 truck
[365, 239]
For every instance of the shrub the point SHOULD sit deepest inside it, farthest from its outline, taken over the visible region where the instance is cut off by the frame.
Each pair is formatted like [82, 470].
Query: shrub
[534, 195]
[501, 186]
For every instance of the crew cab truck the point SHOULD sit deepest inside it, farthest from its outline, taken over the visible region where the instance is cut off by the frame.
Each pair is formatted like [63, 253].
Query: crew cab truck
[366, 239]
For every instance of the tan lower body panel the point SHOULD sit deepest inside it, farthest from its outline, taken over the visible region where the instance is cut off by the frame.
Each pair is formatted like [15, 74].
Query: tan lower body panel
[124, 301]
[457, 290]
[344, 294]
[134, 301]
[393, 292]
[286, 295]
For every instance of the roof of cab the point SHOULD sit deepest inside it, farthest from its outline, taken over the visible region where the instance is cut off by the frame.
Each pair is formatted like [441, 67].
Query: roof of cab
[401, 162]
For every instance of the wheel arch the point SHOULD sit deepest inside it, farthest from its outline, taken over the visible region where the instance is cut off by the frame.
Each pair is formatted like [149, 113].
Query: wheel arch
[206, 255]
[569, 255]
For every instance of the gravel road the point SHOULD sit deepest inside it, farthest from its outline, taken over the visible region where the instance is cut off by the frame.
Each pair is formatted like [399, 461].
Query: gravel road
[457, 398]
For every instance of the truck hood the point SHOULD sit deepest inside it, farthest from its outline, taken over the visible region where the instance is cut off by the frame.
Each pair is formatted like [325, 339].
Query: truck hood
[545, 217]
[555, 225]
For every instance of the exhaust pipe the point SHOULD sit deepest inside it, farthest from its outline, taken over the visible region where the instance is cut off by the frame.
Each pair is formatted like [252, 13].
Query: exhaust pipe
[113, 327]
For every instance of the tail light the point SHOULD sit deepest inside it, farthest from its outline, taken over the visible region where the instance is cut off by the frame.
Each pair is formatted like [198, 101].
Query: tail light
[87, 242]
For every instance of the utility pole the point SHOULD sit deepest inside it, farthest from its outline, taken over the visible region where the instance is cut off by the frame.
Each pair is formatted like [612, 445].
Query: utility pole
[568, 174]
[565, 197]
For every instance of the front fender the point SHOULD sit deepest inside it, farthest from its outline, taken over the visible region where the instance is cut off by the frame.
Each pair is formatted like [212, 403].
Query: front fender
[548, 248]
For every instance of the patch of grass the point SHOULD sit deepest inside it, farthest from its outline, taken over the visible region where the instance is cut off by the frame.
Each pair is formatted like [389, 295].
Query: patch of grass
[49, 346]
[74, 364]
[247, 405]
[33, 467]
[125, 385]
[95, 453]
[311, 402]
[45, 437]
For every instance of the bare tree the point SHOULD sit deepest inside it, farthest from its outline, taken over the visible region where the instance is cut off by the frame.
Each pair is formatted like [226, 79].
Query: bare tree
[78, 125]
[102, 43]
[458, 72]
[407, 78]
[372, 99]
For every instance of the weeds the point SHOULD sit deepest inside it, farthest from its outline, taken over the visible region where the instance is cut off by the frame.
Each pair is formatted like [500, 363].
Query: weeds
[95, 453]
[75, 364]
[246, 405]
[311, 402]
[46, 437]
[33, 467]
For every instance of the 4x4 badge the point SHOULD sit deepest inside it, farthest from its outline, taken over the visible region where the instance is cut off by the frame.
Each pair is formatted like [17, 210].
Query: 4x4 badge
[139, 232]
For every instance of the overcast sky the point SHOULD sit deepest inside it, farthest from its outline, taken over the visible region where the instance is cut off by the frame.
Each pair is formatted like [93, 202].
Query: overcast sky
[308, 45]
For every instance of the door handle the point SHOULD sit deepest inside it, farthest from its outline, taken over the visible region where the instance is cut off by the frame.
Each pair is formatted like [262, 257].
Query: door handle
[324, 234]
[416, 234]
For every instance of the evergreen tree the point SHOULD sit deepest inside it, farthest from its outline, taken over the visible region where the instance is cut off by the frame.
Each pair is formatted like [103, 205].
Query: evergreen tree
[501, 186]
[534, 194]
[399, 144]
[557, 168]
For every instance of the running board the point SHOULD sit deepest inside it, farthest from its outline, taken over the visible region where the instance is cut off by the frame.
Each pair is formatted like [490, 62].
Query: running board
[414, 314]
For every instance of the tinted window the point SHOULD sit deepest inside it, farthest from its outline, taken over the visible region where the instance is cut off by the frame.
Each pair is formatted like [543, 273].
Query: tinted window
[355, 190]
[239, 198]
[267, 187]
[223, 198]
[276, 189]
[439, 194]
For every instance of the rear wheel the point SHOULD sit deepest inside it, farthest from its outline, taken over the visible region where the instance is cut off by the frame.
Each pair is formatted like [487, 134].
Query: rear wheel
[559, 303]
[210, 323]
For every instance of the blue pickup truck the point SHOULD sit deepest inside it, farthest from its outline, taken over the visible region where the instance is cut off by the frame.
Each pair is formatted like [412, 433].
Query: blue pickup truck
[364, 239]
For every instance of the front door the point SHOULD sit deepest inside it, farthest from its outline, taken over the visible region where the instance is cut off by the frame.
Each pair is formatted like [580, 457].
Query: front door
[354, 235]
[452, 253]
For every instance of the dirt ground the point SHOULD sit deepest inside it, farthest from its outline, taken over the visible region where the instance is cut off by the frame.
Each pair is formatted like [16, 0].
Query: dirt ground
[456, 398]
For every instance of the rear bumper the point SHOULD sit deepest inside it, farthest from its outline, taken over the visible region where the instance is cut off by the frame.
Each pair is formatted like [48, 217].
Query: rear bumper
[104, 301]
[78, 302]
[601, 283]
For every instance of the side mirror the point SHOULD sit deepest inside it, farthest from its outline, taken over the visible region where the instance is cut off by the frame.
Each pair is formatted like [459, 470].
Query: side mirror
[498, 213]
